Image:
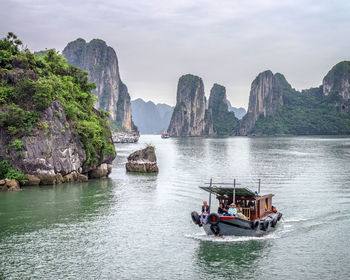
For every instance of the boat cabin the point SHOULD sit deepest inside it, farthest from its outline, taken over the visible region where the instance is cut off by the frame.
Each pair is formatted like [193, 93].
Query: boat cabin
[252, 205]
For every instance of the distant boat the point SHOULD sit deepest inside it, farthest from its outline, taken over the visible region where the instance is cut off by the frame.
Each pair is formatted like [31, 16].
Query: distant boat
[165, 134]
[255, 215]
[125, 137]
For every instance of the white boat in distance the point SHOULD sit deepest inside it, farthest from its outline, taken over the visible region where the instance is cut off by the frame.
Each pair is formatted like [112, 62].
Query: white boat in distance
[124, 137]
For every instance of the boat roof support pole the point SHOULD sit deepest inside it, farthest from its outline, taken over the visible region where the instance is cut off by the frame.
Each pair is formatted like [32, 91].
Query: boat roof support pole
[211, 181]
[259, 186]
[234, 192]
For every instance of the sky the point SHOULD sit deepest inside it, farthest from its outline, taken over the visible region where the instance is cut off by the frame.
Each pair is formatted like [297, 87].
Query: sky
[228, 42]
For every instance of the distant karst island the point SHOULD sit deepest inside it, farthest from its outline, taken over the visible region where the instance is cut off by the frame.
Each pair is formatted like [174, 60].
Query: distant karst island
[275, 108]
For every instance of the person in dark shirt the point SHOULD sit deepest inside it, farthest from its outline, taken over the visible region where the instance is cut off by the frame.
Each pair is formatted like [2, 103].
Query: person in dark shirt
[205, 212]
[222, 210]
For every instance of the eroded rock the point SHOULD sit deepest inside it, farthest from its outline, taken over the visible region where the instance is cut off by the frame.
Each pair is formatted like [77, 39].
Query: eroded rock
[10, 185]
[53, 152]
[32, 180]
[102, 171]
[144, 161]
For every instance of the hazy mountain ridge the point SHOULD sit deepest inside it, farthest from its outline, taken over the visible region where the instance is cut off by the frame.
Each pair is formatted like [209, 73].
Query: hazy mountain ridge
[151, 118]
[239, 112]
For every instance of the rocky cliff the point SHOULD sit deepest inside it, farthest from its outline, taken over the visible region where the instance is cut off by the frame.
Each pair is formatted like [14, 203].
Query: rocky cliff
[101, 62]
[275, 108]
[190, 117]
[224, 122]
[337, 81]
[49, 130]
[266, 97]
[53, 152]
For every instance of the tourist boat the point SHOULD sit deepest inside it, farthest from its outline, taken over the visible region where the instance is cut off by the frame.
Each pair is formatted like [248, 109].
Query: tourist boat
[165, 134]
[257, 215]
[124, 137]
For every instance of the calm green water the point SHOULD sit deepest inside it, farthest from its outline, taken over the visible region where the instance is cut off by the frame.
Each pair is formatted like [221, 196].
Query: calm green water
[139, 227]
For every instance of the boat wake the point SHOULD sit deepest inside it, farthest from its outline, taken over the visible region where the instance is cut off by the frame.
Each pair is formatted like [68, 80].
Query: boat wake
[296, 220]
[273, 235]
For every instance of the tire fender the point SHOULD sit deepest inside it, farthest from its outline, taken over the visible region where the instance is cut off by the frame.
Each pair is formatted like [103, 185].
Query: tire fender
[254, 224]
[213, 219]
[195, 217]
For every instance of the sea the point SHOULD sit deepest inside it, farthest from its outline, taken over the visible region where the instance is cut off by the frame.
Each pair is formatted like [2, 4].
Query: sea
[138, 226]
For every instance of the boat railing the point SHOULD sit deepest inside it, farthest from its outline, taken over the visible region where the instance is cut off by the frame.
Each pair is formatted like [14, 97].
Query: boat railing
[246, 212]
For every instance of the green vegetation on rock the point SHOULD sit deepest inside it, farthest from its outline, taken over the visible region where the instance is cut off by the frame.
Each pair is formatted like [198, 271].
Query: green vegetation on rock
[30, 83]
[307, 113]
[7, 172]
[224, 122]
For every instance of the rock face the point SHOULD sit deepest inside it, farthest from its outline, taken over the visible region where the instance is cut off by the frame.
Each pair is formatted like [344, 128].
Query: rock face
[266, 97]
[190, 117]
[217, 99]
[9, 185]
[143, 161]
[53, 153]
[101, 62]
[224, 122]
[151, 118]
[337, 81]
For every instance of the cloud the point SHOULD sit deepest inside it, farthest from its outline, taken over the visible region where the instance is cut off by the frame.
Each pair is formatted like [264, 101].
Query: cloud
[222, 41]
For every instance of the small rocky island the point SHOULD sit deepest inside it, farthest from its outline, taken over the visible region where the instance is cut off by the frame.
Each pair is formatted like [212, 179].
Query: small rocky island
[144, 161]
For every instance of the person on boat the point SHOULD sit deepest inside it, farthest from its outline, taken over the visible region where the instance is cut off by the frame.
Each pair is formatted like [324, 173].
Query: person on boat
[232, 211]
[205, 211]
[239, 210]
[251, 204]
[221, 209]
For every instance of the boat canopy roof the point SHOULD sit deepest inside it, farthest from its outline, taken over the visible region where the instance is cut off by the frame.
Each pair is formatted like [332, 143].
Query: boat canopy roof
[228, 191]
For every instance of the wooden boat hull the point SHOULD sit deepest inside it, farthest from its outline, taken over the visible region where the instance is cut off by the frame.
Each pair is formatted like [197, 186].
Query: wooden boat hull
[241, 227]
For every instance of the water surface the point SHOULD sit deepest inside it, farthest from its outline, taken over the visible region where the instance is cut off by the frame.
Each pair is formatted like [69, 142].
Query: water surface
[134, 226]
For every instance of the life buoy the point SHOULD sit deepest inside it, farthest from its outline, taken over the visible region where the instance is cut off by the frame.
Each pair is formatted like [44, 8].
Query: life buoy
[213, 219]
[254, 224]
[279, 216]
[215, 229]
[195, 217]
